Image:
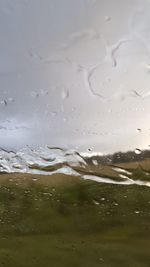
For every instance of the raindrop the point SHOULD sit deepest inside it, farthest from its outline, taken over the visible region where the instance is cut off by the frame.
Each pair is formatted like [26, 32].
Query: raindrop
[95, 202]
[138, 151]
[65, 93]
[148, 66]
[138, 130]
[10, 99]
[101, 259]
[3, 102]
[54, 113]
[107, 18]
[34, 94]
[34, 179]
[43, 92]
[95, 162]
[137, 211]
[65, 119]
[73, 109]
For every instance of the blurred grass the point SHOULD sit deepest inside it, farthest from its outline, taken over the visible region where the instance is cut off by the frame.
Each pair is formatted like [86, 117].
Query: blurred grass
[71, 223]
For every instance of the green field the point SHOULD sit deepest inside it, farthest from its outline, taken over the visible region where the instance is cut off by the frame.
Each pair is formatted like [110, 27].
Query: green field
[64, 221]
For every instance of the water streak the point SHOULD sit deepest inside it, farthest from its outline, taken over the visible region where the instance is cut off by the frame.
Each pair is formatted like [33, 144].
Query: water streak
[96, 167]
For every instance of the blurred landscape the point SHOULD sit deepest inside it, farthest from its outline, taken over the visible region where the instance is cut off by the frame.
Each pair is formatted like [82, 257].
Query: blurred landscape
[74, 91]
[97, 215]
[65, 220]
[131, 167]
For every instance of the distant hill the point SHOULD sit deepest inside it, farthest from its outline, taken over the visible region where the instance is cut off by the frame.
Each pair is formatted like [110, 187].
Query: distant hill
[119, 157]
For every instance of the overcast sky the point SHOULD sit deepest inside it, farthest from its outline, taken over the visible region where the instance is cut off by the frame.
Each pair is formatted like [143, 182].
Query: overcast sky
[75, 74]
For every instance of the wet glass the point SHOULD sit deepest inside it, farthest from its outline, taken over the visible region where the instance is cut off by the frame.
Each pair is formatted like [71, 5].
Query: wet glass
[74, 132]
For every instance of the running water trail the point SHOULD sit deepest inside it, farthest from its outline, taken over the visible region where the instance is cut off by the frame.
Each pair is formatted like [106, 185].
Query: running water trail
[92, 166]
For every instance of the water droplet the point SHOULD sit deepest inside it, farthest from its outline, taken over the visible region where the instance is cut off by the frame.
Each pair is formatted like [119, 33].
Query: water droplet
[95, 202]
[3, 102]
[10, 99]
[137, 211]
[95, 162]
[138, 151]
[101, 259]
[34, 179]
[138, 130]
[107, 18]
[148, 66]
[73, 109]
[65, 119]
[34, 94]
[65, 93]
[54, 113]
[43, 92]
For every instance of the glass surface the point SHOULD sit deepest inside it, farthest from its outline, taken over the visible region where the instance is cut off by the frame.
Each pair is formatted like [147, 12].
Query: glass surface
[74, 133]
[75, 74]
